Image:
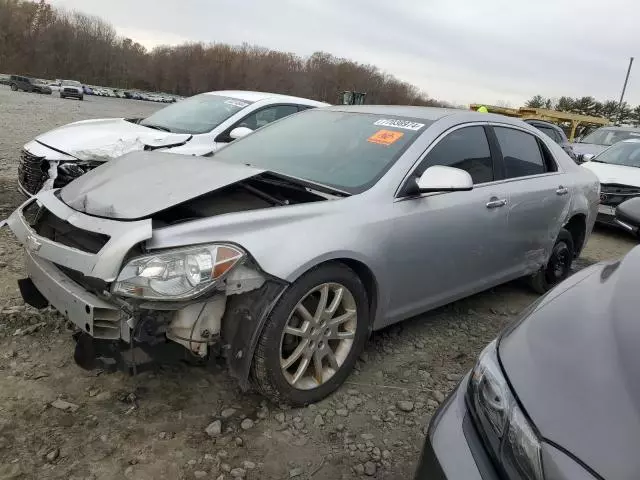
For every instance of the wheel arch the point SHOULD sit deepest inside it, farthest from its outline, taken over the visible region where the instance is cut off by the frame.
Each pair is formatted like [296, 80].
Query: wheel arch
[577, 227]
[250, 321]
[360, 267]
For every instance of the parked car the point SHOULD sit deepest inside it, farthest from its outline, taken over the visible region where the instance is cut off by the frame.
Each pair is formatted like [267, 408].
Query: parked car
[28, 84]
[555, 133]
[568, 368]
[285, 249]
[618, 169]
[197, 126]
[55, 87]
[598, 140]
[627, 215]
[71, 89]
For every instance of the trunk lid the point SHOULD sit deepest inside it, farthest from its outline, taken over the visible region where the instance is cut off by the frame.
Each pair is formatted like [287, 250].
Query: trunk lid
[140, 184]
[582, 148]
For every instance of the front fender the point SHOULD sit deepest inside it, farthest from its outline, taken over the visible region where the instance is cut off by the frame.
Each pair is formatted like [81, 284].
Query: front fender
[242, 325]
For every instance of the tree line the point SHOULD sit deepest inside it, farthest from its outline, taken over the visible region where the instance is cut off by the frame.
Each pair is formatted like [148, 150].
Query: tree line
[39, 40]
[590, 106]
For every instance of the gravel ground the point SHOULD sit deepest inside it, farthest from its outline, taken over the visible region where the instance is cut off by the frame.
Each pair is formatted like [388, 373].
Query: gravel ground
[57, 421]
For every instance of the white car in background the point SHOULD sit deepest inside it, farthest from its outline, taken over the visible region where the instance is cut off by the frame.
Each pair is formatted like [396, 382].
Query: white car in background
[197, 126]
[618, 170]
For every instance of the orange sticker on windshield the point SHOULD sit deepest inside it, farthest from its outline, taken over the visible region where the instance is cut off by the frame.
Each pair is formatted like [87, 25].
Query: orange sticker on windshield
[385, 137]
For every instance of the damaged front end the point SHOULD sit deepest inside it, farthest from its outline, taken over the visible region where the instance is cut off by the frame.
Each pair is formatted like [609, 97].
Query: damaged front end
[41, 168]
[133, 307]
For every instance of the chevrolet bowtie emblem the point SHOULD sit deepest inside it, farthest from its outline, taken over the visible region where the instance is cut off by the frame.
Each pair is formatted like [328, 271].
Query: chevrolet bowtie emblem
[33, 244]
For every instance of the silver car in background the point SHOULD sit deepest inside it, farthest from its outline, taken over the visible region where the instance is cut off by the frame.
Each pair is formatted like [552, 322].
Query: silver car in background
[286, 249]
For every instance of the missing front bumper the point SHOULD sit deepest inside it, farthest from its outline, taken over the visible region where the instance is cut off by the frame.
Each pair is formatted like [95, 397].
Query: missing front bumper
[85, 310]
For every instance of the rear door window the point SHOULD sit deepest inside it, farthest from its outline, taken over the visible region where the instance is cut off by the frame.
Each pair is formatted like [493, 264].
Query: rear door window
[521, 153]
[467, 149]
[267, 115]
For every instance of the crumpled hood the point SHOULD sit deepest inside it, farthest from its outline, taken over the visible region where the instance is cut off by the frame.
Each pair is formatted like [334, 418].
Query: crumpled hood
[582, 148]
[574, 366]
[617, 174]
[105, 139]
[140, 184]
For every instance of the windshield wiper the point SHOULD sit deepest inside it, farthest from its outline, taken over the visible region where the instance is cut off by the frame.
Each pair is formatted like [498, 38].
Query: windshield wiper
[156, 127]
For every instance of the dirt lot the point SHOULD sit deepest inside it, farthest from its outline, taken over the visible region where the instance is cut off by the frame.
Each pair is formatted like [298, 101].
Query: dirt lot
[152, 426]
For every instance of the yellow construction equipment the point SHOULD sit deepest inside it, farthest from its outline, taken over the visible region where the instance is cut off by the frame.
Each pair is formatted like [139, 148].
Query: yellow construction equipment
[572, 119]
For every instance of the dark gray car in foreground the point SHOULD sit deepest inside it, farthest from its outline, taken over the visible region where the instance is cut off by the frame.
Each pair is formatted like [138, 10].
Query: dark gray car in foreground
[556, 396]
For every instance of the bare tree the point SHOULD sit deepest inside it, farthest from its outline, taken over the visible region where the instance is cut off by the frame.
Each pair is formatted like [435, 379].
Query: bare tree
[39, 40]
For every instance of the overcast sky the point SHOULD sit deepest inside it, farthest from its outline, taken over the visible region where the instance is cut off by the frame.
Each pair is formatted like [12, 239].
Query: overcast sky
[461, 51]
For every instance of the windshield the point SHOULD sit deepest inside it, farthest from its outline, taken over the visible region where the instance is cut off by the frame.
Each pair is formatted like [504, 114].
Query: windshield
[346, 151]
[607, 136]
[71, 83]
[623, 153]
[198, 114]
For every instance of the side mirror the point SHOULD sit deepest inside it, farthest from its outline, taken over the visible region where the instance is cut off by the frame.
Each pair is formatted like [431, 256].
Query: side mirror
[444, 179]
[239, 132]
[586, 157]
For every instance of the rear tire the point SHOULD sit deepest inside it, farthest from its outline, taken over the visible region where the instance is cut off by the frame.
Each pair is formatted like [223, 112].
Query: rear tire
[14, 87]
[327, 344]
[558, 268]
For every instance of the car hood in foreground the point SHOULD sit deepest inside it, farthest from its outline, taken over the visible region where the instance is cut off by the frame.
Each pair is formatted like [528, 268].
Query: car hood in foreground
[618, 174]
[582, 148]
[574, 366]
[140, 184]
[105, 139]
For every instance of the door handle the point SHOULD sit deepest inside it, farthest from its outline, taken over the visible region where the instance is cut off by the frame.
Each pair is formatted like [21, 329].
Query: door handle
[496, 202]
[562, 190]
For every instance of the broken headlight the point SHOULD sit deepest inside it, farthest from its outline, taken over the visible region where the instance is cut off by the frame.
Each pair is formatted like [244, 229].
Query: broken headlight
[508, 434]
[179, 274]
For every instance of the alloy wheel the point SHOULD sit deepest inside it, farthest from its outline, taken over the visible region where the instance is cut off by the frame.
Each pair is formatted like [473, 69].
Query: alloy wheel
[318, 336]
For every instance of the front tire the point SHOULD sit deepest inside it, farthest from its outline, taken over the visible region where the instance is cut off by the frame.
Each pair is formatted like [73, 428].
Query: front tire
[558, 267]
[14, 87]
[313, 336]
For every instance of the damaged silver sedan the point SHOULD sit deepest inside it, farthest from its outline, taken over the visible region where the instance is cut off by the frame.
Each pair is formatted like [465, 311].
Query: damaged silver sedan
[286, 249]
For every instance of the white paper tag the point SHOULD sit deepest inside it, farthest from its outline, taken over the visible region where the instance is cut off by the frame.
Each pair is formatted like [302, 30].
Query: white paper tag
[405, 124]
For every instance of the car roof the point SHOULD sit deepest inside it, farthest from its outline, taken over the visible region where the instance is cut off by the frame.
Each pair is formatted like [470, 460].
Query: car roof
[425, 113]
[429, 113]
[250, 96]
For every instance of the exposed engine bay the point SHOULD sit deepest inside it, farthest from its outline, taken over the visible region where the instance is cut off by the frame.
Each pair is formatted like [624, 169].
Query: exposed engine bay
[263, 191]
